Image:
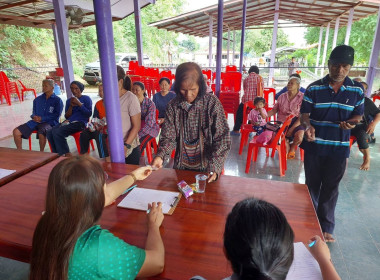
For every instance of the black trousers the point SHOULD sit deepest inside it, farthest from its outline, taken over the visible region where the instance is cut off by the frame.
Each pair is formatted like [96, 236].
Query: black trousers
[239, 117]
[360, 132]
[134, 157]
[101, 142]
[323, 175]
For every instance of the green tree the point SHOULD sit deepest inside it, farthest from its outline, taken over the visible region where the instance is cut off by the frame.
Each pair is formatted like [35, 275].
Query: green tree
[190, 44]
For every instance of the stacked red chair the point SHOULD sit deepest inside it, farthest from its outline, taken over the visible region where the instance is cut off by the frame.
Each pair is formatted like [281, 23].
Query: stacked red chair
[231, 68]
[277, 143]
[269, 96]
[230, 102]
[231, 81]
[133, 64]
[3, 89]
[25, 89]
[12, 88]
[246, 128]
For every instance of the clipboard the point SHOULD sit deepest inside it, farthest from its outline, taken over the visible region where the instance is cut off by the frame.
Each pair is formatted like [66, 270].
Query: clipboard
[138, 199]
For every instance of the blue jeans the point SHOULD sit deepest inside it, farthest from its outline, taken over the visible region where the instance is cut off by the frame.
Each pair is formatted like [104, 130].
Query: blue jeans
[58, 134]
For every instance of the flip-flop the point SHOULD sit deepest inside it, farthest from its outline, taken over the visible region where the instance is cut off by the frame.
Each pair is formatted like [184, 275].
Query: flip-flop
[291, 155]
[328, 237]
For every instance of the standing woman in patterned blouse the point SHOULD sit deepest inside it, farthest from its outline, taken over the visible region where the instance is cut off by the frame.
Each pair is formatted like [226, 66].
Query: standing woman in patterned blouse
[195, 126]
[149, 127]
[68, 242]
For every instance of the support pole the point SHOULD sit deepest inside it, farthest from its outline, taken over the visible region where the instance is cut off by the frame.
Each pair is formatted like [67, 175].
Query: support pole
[56, 44]
[336, 32]
[140, 58]
[219, 48]
[103, 20]
[242, 36]
[210, 27]
[325, 48]
[233, 47]
[274, 43]
[319, 49]
[373, 61]
[228, 46]
[349, 24]
[64, 44]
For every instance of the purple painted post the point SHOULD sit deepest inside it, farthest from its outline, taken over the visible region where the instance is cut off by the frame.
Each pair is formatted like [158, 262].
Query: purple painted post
[219, 47]
[103, 19]
[138, 32]
[373, 61]
[274, 43]
[242, 36]
[64, 43]
[56, 44]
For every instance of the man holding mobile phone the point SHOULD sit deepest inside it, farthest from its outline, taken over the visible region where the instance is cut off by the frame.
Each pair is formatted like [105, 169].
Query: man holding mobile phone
[331, 107]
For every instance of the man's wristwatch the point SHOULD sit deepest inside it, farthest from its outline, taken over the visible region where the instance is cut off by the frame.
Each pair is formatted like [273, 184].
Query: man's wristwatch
[127, 145]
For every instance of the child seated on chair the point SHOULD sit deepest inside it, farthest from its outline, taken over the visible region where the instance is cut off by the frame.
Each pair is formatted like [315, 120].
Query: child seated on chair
[257, 117]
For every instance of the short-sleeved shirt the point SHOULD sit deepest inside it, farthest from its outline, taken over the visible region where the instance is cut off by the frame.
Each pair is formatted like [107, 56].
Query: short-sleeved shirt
[250, 85]
[48, 109]
[161, 102]
[129, 107]
[98, 254]
[286, 107]
[255, 117]
[326, 108]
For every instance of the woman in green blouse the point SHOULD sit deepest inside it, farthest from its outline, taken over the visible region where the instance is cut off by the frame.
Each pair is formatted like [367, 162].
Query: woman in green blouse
[67, 243]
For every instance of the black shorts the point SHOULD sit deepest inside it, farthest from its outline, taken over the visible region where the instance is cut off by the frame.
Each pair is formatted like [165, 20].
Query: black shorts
[26, 131]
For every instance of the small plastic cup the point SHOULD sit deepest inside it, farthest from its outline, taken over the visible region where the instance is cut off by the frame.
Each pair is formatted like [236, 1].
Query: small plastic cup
[201, 182]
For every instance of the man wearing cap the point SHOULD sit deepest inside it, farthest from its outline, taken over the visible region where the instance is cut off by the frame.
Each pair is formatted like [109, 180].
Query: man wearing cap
[330, 109]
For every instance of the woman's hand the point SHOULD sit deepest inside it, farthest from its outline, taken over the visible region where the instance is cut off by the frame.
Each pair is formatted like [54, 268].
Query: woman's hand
[155, 215]
[319, 250]
[157, 163]
[142, 173]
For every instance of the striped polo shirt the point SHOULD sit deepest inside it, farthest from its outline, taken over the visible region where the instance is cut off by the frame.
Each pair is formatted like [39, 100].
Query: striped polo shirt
[326, 108]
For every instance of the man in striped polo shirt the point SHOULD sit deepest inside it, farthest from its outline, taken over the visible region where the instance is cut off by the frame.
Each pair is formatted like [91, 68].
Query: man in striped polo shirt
[330, 109]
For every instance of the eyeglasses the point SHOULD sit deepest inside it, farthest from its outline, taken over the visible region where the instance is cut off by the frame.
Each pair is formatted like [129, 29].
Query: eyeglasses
[105, 176]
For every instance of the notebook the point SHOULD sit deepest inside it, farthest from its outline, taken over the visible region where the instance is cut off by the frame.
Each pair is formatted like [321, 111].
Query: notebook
[138, 199]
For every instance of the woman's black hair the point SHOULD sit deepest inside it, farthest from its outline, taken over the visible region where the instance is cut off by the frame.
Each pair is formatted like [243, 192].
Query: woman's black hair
[164, 79]
[255, 69]
[259, 99]
[186, 71]
[141, 85]
[127, 83]
[258, 241]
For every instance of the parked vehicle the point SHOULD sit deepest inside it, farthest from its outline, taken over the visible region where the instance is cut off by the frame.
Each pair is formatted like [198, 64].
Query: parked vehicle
[92, 73]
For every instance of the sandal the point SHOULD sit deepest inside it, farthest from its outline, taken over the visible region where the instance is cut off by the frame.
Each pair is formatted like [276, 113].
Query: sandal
[291, 155]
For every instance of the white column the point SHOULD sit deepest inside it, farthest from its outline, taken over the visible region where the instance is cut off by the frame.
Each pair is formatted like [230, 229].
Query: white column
[274, 43]
[319, 50]
[210, 23]
[325, 48]
[373, 61]
[349, 24]
[336, 32]
[228, 46]
[233, 47]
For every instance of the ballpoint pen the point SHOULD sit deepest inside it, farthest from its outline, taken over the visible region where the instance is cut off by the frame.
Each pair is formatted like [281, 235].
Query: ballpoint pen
[129, 189]
[311, 244]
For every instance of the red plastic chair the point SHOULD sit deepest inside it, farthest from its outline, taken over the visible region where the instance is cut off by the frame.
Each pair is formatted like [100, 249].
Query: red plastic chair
[246, 128]
[230, 102]
[12, 88]
[76, 136]
[167, 74]
[133, 64]
[278, 143]
[3, 89]
[231, 68]
[140, 70]
[25, 89]
[148, 147]
[59, 72]
[376, 97]
[30, 141]
[232, 81]
[135, 78]
[208, 73]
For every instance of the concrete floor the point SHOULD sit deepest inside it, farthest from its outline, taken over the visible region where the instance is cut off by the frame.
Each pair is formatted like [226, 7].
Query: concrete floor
[356, 254]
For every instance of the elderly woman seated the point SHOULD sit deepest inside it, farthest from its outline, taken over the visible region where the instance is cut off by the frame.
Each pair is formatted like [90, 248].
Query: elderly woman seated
[162, 98]
[288, 104]
[195, 126]
[77, 112]
[149, 127]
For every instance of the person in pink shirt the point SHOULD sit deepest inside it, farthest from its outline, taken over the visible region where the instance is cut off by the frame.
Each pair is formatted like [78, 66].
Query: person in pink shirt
[257, 117]
[288, 104]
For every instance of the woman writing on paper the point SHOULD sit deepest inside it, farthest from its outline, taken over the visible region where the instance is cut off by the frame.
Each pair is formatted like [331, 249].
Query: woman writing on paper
[68, 243]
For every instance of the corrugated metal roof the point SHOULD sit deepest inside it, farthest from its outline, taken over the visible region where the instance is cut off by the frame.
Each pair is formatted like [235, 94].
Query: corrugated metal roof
[261, 12]
[39, 13]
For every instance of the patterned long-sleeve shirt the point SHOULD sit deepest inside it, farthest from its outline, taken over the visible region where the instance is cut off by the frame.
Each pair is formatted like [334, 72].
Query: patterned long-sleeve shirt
[148, 119]
[206, 116]
[250, 85]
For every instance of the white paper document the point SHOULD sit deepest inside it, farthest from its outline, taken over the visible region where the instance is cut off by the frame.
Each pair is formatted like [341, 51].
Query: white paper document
[5, 172]
[139, 198]
[304, 265]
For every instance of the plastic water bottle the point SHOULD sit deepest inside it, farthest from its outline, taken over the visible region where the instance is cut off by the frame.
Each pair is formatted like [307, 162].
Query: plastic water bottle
[57, 89]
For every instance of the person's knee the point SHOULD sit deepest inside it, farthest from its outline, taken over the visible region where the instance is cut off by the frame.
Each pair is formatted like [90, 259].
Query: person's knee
[16, 132]
[298, 136]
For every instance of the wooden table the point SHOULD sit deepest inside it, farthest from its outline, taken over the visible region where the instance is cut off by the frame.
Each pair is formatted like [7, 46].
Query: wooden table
[193, 235]
[23, 161]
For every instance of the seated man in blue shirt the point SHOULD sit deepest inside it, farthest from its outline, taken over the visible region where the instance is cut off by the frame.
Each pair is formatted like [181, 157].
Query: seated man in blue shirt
[77, 112]
[47, 109]
[285, 89]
